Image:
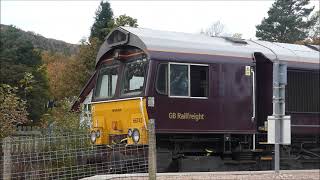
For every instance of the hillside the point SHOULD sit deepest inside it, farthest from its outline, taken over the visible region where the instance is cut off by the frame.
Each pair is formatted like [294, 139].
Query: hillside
[43, 43]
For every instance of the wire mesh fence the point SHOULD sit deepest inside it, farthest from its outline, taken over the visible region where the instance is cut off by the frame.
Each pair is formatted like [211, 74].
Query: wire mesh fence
[67, 156]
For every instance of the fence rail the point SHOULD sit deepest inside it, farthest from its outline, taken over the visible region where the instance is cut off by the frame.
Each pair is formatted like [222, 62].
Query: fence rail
[67, 156]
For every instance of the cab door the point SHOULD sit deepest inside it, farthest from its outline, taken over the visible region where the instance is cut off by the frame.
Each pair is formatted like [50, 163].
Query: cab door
[263, 81]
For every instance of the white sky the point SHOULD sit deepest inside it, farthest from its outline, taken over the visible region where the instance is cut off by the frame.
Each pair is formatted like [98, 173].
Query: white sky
[71, 20]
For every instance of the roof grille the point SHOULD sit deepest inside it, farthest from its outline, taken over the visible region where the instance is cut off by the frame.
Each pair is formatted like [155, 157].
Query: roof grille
[235, 40]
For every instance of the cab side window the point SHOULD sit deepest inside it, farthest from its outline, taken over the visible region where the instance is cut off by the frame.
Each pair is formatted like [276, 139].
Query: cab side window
[183, 80]
[179, 80]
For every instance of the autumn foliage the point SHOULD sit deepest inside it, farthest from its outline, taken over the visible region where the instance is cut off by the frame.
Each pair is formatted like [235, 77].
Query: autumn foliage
[40, 80]
[13, 110]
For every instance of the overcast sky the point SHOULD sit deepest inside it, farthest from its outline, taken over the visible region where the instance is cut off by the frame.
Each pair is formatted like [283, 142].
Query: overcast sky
[71, 20]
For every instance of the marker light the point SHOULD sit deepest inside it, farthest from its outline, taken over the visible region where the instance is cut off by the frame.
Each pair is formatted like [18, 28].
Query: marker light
[98, 133]
[129, 132]
[135, 135]
[93, 136]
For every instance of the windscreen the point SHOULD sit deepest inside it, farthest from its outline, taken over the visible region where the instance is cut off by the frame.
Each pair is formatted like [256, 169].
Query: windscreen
[107, 81]
[134, 77]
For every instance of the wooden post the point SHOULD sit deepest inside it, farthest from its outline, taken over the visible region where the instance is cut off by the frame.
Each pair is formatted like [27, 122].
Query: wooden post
[7, 161]
[152, 162]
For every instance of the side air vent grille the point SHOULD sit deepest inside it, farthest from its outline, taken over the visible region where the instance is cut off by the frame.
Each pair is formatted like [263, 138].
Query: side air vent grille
[302, 91]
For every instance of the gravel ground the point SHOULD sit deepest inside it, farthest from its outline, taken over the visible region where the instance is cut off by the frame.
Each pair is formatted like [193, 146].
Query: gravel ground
[235, 175]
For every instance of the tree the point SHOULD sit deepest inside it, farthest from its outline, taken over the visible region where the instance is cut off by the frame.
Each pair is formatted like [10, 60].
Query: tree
[124, 20]
[215, 29]
[79, 69]
[12, 110]
[288, 21]
[314, 35]
[27, 83]
[57, 70]
[38, 96]
[75, 78]
[18, 58]
[104, 22]
[237, 35]
[87, 56]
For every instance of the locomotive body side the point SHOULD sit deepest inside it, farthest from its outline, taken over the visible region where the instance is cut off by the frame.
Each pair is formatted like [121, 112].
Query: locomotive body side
[302, 97]
[226, 107]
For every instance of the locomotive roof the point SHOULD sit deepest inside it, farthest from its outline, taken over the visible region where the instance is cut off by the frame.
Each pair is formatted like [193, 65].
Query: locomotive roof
[165, 41]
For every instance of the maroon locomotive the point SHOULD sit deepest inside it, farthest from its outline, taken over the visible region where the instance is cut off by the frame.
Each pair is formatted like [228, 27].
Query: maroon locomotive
[211, 96]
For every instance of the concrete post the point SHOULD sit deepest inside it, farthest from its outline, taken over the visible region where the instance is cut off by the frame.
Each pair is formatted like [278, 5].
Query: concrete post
[7, 161]
[152, 162]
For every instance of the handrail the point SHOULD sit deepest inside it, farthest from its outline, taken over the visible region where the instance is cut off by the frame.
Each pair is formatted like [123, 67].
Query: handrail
[142, 112]
[253, 96]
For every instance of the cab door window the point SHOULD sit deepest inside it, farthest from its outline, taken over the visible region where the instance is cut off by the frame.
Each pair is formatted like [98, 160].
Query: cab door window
[199, 81]
[162, 79]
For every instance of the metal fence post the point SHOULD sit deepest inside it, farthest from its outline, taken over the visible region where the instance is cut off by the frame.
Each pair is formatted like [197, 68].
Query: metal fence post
[276, 110]
[152, 162]
[279, 83]
[7, 161]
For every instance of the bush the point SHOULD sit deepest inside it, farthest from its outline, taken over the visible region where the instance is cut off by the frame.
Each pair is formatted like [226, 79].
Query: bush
[13, 110]
[61, 120]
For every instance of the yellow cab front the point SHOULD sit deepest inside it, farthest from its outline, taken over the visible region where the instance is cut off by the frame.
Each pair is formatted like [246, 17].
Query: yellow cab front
[119, 112]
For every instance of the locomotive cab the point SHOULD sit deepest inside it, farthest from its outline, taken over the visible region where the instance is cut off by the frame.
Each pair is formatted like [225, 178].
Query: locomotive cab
[118, 108]
[119, 104]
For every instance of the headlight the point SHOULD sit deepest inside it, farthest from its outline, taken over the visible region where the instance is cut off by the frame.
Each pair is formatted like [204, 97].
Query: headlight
[135, 135]
[129, 132]
[93, 136]
[98, 133]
